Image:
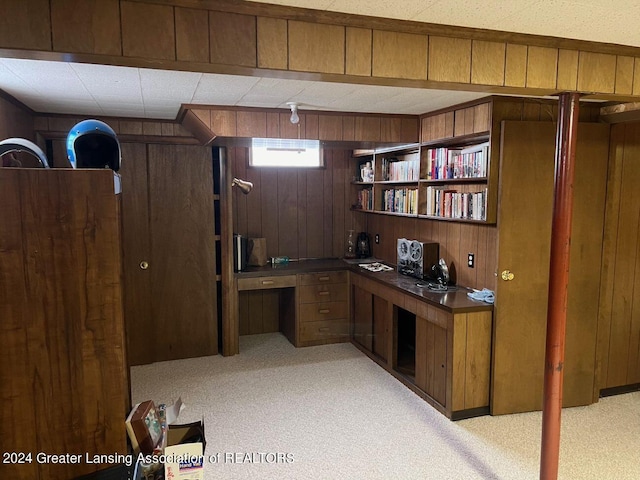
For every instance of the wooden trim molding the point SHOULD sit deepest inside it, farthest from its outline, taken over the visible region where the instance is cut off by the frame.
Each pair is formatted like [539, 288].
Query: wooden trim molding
[256, 39]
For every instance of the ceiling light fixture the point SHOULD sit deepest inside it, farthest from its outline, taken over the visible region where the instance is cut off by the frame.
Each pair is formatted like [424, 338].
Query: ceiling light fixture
[295, 119]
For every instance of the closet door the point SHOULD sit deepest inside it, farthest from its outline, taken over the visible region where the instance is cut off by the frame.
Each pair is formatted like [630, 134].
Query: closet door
[169, 252]
[524, 239]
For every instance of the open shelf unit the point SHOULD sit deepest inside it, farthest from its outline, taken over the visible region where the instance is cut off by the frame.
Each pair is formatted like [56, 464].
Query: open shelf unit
[445, 179]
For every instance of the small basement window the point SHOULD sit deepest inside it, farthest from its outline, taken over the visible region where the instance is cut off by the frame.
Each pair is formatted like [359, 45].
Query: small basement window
[280, 152]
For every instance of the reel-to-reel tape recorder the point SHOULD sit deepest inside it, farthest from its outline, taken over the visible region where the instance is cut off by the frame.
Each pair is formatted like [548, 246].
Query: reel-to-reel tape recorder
[414, 256]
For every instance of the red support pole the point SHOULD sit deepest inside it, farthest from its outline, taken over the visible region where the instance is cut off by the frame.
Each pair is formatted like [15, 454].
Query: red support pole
[558, 281]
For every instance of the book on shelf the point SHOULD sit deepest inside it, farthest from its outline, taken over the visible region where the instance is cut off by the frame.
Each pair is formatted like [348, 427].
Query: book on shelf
[400, 200]
[400, 170]
[365, 199]
[453, 163]
[449, 203]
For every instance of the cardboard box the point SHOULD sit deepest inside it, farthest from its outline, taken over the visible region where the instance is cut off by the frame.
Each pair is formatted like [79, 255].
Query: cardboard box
[184, 452]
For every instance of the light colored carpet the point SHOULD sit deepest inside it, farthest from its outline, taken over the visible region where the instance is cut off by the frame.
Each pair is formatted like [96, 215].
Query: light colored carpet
[340, 416]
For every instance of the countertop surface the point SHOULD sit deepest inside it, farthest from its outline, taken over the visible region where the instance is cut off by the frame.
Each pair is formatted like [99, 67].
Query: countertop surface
[454, 300]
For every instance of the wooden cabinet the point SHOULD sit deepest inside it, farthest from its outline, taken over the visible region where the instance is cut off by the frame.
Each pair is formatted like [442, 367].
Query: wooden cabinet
[65, 386]
[322, 308]
[442, 355]
[169, 252]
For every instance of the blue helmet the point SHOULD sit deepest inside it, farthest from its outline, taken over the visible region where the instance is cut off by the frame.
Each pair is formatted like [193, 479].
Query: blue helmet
[23, 145]
[93, 144]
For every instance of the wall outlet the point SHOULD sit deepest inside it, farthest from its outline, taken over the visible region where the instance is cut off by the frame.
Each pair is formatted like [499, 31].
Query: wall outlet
[470, 260]
[377, 238]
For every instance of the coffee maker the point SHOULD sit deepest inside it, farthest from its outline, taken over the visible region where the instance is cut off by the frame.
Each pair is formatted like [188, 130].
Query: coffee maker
[363, 245]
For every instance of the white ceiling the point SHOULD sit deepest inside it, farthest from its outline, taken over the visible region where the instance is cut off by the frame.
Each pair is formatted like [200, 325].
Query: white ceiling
[98, 90]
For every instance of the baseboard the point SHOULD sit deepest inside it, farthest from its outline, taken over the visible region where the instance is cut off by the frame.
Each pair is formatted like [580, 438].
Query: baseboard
[607, 392]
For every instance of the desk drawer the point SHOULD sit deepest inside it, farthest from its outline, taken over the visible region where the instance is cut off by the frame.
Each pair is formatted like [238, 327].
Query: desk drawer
[323, 330]
[333, 292]
[260, 283]
[310, 312]
[320, 278]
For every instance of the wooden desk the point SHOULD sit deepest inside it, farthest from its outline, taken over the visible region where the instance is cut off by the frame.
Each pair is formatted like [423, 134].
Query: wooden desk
[313, 298]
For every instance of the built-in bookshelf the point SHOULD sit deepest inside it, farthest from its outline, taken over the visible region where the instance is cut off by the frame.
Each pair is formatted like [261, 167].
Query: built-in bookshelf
[444, 180]
[453, 180]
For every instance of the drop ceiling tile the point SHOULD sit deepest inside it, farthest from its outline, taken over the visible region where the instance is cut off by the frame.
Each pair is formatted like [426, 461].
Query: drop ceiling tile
[163, 80]
[103, 75]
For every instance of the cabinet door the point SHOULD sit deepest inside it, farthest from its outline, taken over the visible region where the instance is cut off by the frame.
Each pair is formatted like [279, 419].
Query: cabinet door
[168, 222]
[431, 359]
[363, 317]
[524, 235]
[381, 326]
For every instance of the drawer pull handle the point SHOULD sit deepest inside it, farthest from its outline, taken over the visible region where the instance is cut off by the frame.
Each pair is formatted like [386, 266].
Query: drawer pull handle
[323, 279]
[323, 329]
[267, 282]
[324, 293]
[323, 310]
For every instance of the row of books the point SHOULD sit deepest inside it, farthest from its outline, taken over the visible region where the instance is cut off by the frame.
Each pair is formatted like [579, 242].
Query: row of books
[400, 200]
[452, 163]
[400, 171]
[365, 199]
[448, 203]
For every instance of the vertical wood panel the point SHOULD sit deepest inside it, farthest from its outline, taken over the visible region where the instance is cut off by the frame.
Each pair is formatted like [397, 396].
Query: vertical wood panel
[515, 74]
[271, 310]
[542, 67]
[255, 313]
[302, 214]
[327, 207]
[329, 127]
[399, 55]
[567, 69]
[624, 75]
[625, 261]
[459, 361]
[482, 118]
[315, 47]
[233, 38]
[488, 63]
[251, 124]
[28, 25]
[243, 312]
[358, 51]
[269, 201]
[367, 128]
[478, 360]
[94, 26]
[272, 43]
[315, 202]
[148, 30]
[311, 129]
[340, 201]
[192, 35]
[468, 244]
[287, 204]
[596, 72]
[609, 254]
[636, 76]
[223, 123]
[449, 59]
[273, 125]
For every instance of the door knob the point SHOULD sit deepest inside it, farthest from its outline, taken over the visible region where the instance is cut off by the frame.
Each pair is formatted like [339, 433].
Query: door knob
[507, 276]
[144, 265]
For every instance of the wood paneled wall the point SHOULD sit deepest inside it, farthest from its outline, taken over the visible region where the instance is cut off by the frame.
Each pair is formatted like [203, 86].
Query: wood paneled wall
[15, 121]
[456, 241]
[303, 213]
[227, 36]
[618, 341]
[210, 122]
